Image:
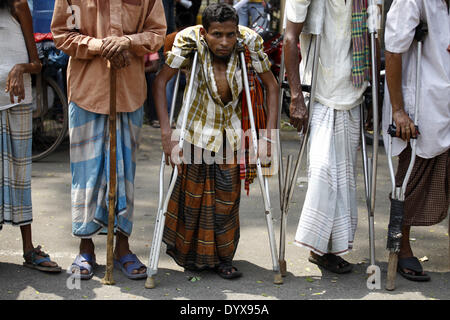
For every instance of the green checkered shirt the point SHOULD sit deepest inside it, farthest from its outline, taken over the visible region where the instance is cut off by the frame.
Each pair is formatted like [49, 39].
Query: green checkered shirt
[208, 117]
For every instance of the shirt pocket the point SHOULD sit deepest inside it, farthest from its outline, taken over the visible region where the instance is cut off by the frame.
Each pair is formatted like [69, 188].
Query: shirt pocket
[131, 15]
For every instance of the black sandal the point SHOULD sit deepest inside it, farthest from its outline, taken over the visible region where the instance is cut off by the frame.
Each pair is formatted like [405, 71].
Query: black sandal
[331, 263]
[228, 272]
[415, 270]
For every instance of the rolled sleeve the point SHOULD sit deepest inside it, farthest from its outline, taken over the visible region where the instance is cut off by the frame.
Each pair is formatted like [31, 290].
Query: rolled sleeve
[184, 44]
[151, 39]
[401, 22]
[296, 10]
[255, 45]
[71, 42]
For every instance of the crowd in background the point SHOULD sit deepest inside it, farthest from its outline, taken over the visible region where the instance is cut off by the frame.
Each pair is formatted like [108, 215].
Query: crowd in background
[179, 15]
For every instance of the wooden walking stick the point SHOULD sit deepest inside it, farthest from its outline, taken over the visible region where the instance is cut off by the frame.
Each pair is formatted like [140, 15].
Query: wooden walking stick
[108, 279]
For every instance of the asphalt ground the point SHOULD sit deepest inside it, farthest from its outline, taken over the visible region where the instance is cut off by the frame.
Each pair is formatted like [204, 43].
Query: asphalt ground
[51, 227]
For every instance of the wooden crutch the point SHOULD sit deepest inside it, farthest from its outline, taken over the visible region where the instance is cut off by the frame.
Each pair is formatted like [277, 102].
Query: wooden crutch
[108, 279]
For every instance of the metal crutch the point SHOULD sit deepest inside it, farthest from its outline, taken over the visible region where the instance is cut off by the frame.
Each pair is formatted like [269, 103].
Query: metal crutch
[313, 26]
[370, 163]
[155, 250]
[263, 181]
[398, 193]
[281, 183]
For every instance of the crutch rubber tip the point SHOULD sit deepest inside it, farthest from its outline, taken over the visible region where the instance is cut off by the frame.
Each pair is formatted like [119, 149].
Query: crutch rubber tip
[390, 287]
[283, 268]
[278, 279]
[150, 283]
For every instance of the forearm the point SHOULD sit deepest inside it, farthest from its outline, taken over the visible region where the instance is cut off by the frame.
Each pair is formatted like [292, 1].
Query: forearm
[72, 42]
[159, 96]
[32, 68]
[291, 57]
[23, 14]
[394, 80]
[272, 98]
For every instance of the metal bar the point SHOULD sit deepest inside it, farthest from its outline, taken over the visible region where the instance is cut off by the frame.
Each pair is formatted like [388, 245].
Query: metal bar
[160, 218]
[263, 183]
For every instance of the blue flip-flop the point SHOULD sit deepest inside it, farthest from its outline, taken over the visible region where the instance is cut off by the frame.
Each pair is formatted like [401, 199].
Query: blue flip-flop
[135, 265]
[83, 261]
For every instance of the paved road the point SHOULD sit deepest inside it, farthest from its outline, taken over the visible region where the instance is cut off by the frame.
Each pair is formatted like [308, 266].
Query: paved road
[52, 229]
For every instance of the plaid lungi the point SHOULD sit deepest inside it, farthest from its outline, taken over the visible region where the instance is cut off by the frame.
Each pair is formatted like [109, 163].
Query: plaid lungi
[89, 163]
[15, 168]
[202, 219]
[427, 195]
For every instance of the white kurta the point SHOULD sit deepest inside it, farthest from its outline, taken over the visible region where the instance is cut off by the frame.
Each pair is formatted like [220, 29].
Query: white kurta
[334, 81]
[434, 109]
[329, 215]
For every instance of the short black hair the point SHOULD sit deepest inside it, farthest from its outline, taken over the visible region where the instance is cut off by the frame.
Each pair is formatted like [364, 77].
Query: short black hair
[219, 12]
[6, 4]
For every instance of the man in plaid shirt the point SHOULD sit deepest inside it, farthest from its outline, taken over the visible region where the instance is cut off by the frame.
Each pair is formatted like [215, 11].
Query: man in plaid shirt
[202, 220]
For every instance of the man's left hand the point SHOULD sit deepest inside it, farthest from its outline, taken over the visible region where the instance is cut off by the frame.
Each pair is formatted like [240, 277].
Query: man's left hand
[113, 46]
[264, 151]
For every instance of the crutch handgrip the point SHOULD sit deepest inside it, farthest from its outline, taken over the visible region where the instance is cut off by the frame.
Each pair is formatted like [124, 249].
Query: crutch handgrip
[421, 31]
[392, 131]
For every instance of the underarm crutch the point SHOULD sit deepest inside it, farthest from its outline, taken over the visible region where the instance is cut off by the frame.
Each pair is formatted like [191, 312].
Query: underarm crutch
[398, 193]
[313, 27]
[163, 203]
[370, 163]
[263, 181]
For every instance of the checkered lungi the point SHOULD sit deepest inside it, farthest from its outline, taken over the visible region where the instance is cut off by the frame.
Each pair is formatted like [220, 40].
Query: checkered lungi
[427, 195]
[202, 219]
[15, 165]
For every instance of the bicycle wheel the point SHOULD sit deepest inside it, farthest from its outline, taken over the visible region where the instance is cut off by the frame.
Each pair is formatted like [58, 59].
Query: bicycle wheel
[50, 119]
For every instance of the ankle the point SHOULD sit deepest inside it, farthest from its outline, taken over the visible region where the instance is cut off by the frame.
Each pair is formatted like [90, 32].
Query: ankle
[87, 246]
[27, 248]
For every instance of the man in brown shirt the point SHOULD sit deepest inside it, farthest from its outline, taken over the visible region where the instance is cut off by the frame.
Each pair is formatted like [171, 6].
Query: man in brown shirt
[94, 32]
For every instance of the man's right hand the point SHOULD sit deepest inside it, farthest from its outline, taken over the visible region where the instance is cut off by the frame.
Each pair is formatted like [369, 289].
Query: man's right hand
[299, 114]
[405, 126]
[170, 148]
[113, 46]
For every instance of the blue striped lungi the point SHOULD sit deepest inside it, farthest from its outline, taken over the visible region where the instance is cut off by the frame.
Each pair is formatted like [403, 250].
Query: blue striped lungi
[15, 165]
[89, 163]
